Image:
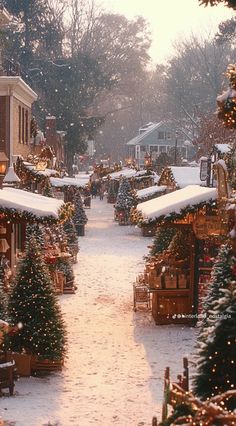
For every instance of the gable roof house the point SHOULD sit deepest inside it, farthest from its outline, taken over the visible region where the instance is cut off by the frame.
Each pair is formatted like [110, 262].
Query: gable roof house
[153, 139]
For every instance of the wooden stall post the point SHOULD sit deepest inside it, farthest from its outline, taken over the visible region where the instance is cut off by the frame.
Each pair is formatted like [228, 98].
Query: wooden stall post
[166, 393]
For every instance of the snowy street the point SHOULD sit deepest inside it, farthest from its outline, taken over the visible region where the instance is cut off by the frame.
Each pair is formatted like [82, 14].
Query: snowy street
[116, 358]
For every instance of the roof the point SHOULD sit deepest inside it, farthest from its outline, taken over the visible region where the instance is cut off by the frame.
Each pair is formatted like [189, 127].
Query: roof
[151, 190]
[46, 172]
[175, 202]
[66, 181]
[150, 129]
[184, 176]
[24, 201]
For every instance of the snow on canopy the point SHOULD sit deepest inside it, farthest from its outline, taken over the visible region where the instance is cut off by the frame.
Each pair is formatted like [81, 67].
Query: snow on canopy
[151, 190]
[223, 148]
[38, 205]
[66, 181]
[175, 201]
[46, 172]
[129, 173]
[184, 176]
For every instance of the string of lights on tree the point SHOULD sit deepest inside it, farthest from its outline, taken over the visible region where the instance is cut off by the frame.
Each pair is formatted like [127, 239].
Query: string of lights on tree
[227, 101]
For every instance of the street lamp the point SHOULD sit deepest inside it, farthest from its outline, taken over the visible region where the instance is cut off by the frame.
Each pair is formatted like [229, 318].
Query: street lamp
[176, 144]
[3, 166]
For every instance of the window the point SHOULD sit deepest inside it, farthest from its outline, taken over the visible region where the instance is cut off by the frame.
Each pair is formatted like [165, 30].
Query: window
[162, 148]
[161, 135]
[23, 125]
[23, 130]
[168, 135]
[154, 148]
[26, 127]
[19, 125]
[143, 148]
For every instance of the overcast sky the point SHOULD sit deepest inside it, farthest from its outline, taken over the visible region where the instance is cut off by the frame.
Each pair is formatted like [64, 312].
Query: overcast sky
[170, 20]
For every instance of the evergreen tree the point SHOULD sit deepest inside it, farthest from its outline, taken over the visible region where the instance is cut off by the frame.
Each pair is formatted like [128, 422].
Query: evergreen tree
[70, 231]
[79, 217]
[35, 231]
[162, 240]
[222, 274]
[216, 346]
[126, 197]
[216, 372]
[64, 265]
[179, 247]
[3, 297]
[33, 303]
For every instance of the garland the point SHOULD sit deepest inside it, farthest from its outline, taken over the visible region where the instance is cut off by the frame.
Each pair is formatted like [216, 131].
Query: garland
[172, 217]
[16, 215]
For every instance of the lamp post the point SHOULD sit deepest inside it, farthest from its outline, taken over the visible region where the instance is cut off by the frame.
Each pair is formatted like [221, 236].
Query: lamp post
[3, 166]
[176, 144]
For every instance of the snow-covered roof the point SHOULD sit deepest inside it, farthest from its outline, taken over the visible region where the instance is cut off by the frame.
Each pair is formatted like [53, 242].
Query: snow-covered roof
[129, 173]
[223, 148]
[38, 205]
[137, 139]
[230, 93]
[124, 173]
[185, 176]
[11, 176]
[67, 181]
[174, 202]
[46, 172]
[151, 190]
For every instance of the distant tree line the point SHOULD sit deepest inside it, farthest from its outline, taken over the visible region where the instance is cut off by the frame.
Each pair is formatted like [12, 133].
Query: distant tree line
[92, 70]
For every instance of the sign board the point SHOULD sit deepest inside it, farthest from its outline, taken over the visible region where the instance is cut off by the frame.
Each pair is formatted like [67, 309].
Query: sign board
[204, 165]
[207, 226]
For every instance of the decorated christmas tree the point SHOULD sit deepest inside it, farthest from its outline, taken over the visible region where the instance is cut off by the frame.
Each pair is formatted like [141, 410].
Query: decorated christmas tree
[227, 101]
[79, 217]
[3, 296]
[179, 246]
[35, 230]
[126, 197]
[33, 303]
[162, 240]
[70, 232]
[216, 344]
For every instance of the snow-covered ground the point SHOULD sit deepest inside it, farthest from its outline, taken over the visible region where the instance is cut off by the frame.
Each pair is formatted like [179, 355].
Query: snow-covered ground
[116, 358]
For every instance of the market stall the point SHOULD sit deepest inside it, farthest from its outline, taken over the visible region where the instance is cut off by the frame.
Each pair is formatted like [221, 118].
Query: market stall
[172, 276]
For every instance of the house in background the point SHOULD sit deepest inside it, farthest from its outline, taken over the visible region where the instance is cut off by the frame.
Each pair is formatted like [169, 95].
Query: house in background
[56, 140]
[154, 139]
[16, 99]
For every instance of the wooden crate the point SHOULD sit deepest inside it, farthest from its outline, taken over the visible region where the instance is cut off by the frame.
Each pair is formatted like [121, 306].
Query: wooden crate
[141, 295]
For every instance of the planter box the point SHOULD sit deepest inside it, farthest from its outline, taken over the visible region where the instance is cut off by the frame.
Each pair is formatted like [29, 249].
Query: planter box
[80, 230]
[44, 366]
[22, 363]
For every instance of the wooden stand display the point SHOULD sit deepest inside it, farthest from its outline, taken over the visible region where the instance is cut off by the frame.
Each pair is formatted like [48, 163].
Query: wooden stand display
[22, 363]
